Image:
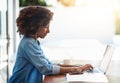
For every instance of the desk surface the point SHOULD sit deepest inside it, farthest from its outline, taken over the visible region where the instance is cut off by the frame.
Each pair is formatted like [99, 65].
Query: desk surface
[62, 79]
[55, 79]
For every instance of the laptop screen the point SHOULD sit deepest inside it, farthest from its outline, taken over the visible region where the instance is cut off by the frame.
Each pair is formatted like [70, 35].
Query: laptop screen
[106, 58]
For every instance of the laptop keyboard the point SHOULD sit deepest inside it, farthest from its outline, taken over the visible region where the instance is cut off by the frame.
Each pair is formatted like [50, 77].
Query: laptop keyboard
[95, 70]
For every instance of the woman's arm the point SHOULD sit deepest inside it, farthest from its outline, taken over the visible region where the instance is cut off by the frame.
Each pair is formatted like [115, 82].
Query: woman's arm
[62, 65]
[74, 69]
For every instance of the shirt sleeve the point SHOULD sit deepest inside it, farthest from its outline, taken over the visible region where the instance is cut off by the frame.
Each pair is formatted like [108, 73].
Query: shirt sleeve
[56, 69]
[35, 55]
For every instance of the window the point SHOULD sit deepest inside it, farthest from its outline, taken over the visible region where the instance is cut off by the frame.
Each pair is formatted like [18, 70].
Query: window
[0, 23]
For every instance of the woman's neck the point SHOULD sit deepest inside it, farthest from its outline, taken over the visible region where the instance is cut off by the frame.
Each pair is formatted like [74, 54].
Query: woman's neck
[33, 36]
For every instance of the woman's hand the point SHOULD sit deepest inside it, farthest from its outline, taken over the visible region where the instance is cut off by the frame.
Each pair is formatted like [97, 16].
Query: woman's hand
[76, 70]
[81, 69]
[87, 67]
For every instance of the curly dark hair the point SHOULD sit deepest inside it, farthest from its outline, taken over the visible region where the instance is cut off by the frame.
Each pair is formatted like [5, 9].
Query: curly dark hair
[32, 18]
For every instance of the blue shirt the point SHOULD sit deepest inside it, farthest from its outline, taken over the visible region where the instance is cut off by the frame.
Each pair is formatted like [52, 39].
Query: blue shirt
[31, 63]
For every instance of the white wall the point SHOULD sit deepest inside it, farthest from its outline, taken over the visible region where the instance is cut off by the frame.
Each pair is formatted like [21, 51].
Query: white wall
[82, 22]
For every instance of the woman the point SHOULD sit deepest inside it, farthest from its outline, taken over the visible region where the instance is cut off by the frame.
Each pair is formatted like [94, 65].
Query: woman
[31, 63]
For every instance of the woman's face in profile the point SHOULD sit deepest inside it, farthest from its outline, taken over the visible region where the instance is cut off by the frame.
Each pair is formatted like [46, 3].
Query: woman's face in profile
[42, 32]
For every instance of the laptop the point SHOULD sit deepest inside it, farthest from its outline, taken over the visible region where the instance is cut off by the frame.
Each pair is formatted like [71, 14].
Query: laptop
[97, 75]
[104, 63]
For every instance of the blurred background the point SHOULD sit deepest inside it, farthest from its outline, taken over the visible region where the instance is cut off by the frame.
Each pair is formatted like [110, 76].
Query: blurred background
[79, 31]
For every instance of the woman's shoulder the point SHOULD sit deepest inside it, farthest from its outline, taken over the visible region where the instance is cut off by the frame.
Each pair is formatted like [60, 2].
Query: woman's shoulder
[25, 41]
